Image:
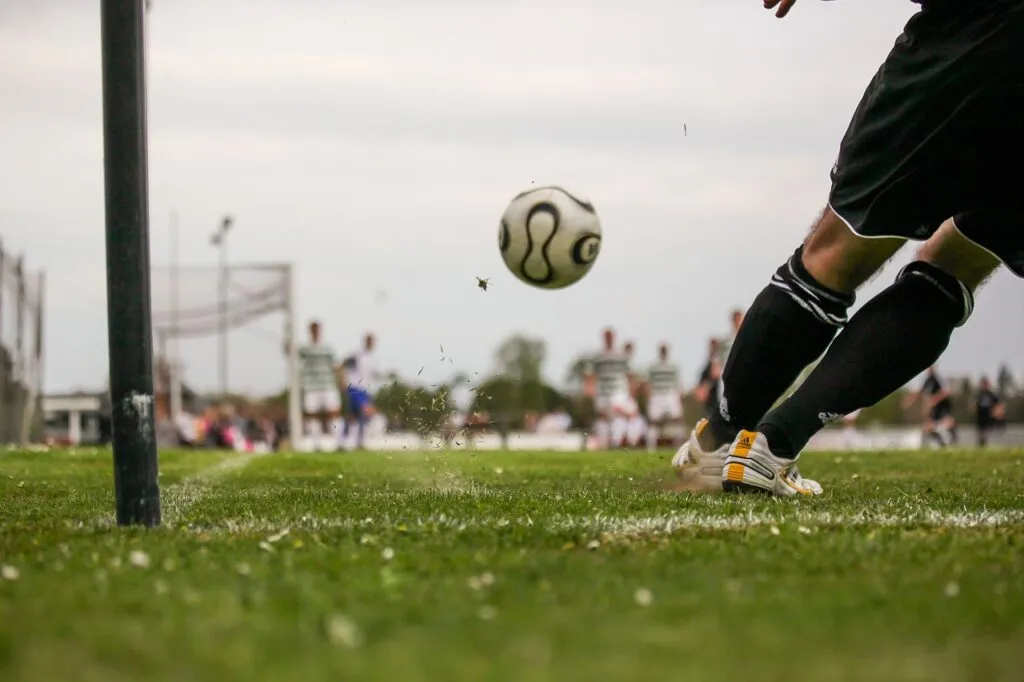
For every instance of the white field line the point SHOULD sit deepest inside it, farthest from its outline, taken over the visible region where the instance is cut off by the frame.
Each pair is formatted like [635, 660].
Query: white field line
[178, 498]
[630, 525]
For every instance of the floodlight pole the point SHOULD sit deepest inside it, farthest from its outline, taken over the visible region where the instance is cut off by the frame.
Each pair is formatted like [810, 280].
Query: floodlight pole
[220, 240]
[129, 324]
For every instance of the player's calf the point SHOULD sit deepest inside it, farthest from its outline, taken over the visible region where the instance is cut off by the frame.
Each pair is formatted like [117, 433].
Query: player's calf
[792, 321]
[892, 339]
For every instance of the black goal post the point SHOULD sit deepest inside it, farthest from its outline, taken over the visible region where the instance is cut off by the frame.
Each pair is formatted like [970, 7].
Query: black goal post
[127, 235]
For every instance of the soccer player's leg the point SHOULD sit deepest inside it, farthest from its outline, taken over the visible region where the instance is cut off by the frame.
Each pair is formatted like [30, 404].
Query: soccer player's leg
[363, 409]
[602, 422]
[656, 419]
[893, 338]
[932, 136]
[618, 420]
[792, 321]
[789, 325]
[312, 411]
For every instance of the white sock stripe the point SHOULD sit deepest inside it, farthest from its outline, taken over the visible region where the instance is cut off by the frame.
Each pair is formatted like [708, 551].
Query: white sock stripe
[813, 301]
[815, 290]
[813, 310]
[965, 299]
[809, 306]
[809, 297]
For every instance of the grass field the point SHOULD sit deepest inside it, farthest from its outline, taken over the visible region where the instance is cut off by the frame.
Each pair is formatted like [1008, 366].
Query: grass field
[511, 566]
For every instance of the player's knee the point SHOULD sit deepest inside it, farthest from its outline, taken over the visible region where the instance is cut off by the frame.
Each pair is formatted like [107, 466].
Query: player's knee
[840, 259]
[956, 255]
[953, 290]
[823, 303]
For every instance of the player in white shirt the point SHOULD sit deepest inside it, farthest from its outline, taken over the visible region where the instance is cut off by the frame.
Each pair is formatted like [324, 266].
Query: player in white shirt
[361, 379]
[607, 382]
[321, 400]
[664, 397]
[636, 425]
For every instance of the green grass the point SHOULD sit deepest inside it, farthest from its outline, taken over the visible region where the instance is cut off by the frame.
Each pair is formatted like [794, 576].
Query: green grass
[512, 566]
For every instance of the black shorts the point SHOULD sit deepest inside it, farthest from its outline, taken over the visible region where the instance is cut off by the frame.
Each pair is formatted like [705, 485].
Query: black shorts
[939, 132]
[941, 411]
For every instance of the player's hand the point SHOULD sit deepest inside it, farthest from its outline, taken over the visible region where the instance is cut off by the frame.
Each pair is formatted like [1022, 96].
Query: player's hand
[783, 6]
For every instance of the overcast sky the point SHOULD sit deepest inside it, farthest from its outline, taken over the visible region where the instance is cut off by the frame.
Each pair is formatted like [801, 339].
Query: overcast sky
[374, 144]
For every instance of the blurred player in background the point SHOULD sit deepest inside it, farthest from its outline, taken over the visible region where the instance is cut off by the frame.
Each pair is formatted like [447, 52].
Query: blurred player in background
[636, 425]
[607, 382]
[664, 397]
[989, 411]
[937, 399]
[321, 399]
[706, 391]
[725, 345]
[361, 381]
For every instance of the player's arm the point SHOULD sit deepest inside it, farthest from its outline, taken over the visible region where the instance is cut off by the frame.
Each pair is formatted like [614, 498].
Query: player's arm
[589, 383]
[999, 409]
[910, 398]
[943, 393]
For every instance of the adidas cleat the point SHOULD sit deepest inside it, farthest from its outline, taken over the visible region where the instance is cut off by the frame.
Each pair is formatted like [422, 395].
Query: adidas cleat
[698, 470]
[751, 467]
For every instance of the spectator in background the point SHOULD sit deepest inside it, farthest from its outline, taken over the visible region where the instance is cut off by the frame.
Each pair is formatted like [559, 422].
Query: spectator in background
[710, 378]
[989, 411]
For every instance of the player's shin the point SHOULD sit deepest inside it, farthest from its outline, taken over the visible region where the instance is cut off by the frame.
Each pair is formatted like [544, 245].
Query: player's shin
[789, 325]
[892, 339]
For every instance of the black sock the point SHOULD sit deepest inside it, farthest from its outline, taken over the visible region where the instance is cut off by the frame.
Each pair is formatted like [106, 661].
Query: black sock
[892, 339]
[789, 325]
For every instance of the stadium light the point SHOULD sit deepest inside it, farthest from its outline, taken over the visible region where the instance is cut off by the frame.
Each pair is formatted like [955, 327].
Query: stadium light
[129, 324]
[220, 240]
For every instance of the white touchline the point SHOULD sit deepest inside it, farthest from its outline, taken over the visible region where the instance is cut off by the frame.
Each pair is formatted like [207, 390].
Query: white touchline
[628, 525]
[178, 498]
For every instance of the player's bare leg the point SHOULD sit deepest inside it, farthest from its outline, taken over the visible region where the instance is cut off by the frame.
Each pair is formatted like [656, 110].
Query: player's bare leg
[897, 335]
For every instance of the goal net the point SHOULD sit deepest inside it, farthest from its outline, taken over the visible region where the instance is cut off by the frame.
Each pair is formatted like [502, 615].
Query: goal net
[225, 331]
[21, 350]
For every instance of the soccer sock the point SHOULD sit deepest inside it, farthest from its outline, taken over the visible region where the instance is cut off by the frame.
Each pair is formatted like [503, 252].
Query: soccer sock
[893, 338]
[338, 429]
[652, 438]
[789, 325]
[360, 431]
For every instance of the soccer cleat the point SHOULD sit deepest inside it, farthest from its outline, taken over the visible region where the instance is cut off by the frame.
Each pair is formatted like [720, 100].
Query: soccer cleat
[700, 471]
[751, 467]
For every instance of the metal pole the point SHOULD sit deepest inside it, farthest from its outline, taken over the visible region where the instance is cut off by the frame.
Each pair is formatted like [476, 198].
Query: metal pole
[129, 323]
[33, 406]
[175, 379]
[2, 268]
[223, 321]
[292, 346]
[20, 303]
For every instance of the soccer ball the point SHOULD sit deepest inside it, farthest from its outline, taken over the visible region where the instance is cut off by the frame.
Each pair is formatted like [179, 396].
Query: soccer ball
[549, 238]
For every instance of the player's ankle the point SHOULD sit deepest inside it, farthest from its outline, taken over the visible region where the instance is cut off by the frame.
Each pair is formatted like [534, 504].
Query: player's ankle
[708, 441]
[778, 442]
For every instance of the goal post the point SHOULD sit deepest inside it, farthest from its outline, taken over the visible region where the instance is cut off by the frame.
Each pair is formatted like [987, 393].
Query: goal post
[189, 303]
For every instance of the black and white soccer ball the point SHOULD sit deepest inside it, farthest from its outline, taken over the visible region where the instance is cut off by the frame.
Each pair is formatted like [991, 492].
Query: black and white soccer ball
[549, 237]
